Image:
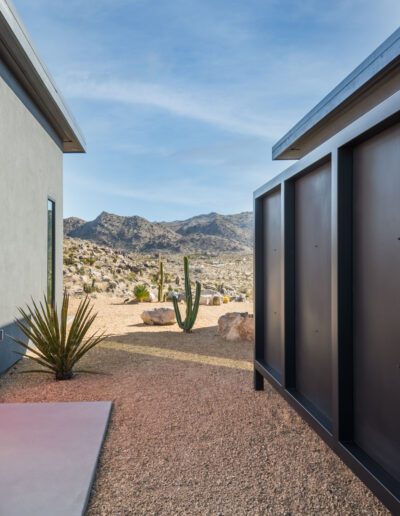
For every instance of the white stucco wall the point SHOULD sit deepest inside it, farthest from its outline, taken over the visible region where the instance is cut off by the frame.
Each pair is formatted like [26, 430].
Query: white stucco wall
[30, 172]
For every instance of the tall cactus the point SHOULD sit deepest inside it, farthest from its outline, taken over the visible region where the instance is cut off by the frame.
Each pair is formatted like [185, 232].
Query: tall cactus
[192, 307]
[161, 282]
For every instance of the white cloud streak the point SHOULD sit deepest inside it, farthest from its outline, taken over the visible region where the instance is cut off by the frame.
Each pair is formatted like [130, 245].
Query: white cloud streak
[210, 108]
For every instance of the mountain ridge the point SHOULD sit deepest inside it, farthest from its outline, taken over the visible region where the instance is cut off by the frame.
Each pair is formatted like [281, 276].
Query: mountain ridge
[207, 232]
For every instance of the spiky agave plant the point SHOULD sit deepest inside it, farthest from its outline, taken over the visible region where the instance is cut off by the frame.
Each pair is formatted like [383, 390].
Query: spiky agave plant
[55, 347]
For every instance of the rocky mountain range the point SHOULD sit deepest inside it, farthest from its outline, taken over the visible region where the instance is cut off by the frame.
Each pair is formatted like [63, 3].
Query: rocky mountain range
[212, 233]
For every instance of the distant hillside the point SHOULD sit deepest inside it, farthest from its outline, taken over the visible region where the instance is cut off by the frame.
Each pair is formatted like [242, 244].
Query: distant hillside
[71, 224]
[212, 232]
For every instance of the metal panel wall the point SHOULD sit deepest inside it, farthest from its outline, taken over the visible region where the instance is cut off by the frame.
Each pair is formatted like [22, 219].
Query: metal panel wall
[327, 301]
[272, 281]
[376, 298]
[313, 291]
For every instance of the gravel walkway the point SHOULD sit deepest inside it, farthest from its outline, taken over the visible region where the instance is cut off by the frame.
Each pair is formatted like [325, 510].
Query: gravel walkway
[188, 434]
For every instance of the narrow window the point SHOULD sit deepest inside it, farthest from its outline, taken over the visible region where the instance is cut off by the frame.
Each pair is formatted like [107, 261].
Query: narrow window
[51, 229]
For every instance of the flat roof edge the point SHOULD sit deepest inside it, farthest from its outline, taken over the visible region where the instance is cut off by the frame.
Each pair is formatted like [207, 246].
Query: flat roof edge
[34, 73]
[377, 62]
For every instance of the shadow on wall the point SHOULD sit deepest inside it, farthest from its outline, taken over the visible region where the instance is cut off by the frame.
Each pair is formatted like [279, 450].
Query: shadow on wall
[8, 347]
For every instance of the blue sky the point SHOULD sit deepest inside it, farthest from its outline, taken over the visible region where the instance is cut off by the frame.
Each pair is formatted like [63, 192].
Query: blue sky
[181, 101]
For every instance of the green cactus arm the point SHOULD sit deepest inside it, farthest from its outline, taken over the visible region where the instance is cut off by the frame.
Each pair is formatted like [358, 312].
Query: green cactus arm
[188, 289]
[191, 319]
[189, 305]
[196, 304]
[177, 312]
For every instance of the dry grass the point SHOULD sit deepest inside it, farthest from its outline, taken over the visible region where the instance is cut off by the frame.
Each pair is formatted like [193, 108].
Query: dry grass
[188, 434]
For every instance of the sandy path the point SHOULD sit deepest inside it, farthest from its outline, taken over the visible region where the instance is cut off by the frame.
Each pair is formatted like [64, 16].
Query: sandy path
[188, 436]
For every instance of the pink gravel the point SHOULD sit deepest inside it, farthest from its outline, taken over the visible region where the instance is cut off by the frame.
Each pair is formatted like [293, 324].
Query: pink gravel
[191, 438]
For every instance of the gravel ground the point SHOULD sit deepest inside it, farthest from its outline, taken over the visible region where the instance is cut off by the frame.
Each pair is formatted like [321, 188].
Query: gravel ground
[190, 437]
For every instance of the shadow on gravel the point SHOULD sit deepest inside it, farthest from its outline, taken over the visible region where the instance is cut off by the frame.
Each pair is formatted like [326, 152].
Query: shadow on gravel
[204, 341]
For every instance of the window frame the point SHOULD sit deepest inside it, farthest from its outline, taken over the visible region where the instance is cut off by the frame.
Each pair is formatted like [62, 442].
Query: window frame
[51, 254]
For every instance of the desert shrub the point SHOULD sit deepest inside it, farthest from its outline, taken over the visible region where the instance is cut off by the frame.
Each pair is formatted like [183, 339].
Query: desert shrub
[141, 293]
[131, 276]
[226, 299]
[89, 288]
[55, 347]
[69, 260]
[89, 261]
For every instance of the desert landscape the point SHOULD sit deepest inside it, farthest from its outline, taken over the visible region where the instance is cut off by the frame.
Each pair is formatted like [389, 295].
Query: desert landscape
[188, 434]
[112, 254]
[187, 428]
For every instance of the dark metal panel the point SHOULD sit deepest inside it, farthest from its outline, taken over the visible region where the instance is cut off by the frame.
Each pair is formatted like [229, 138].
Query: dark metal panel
[258, 289]
[313, 290]
[342, 324]
[335, 291]
[376, 287]
[272, 252]
[288, 306]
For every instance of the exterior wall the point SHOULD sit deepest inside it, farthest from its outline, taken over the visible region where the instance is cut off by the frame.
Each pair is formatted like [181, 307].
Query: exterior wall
[30, 172]
[337, 232]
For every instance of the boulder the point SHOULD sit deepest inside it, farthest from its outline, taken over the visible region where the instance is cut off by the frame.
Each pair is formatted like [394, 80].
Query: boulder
[206, 299]
[241, 298]
[158, 317]
[217, 300]
[236, 326]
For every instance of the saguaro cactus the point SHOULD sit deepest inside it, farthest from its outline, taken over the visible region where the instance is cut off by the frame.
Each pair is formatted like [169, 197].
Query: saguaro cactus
[192, 307]
[161, 283]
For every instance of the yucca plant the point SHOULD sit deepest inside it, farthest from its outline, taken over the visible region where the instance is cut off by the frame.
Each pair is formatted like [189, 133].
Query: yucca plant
[141, 293]
[57, 348]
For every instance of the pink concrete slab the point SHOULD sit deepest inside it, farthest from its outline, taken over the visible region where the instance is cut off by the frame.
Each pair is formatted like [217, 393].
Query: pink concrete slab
[48, 456]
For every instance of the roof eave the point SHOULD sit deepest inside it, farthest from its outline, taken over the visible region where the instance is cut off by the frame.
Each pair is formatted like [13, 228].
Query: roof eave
[375, 66]
[21, 57]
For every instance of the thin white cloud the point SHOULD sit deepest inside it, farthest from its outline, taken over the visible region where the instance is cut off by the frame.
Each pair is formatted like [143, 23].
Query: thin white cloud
[210, 108]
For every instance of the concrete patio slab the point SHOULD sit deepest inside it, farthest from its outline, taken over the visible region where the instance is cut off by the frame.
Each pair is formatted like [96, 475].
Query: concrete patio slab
[48, 456]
